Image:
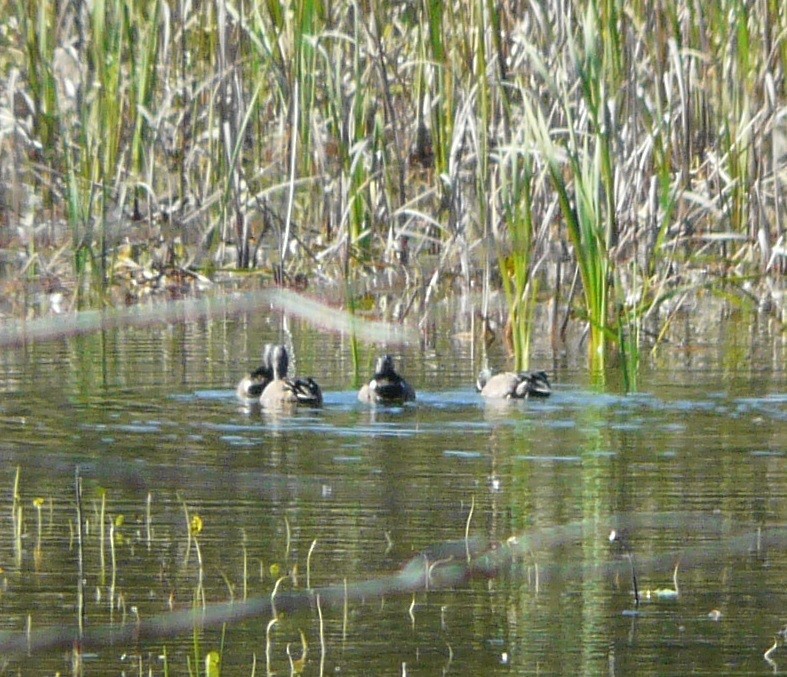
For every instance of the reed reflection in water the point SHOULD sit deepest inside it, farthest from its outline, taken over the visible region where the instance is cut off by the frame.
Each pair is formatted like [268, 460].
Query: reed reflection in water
[352, 493]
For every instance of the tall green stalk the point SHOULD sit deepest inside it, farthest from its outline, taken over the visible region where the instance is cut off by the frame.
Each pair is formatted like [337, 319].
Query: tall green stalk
[581, 169]
[143, 80]
[516, 265]
[37, 22]
[442, 95]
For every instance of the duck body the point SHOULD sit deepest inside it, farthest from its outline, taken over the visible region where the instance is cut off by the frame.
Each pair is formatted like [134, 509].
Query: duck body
[386, 386]
[289, 391]
[283, 391]
[509, 385]
[252, 385]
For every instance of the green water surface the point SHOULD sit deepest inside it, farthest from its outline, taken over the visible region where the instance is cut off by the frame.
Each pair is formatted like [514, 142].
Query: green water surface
[150, 419]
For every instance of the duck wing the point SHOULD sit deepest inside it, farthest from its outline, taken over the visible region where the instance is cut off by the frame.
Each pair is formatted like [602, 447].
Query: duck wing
[533, 384]
[305, 390]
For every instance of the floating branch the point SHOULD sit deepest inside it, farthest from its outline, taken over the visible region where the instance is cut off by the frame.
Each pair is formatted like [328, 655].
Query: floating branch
[287, 301]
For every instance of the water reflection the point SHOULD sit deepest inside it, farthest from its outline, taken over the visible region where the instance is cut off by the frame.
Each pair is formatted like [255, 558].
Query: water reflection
[150, 417]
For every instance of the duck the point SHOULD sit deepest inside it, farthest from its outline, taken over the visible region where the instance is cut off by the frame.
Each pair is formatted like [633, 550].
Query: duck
[386, 386]
[286, 391]
[252, 385]
[510, 385]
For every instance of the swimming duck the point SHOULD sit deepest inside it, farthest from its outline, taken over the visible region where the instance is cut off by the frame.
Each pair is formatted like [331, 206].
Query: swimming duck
[252, 385]
[386, 386]
[284, 391]
[511, 385]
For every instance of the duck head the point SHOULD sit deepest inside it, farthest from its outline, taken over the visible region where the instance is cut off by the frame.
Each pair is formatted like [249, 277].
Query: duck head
[265, 370]
[384, 366]
[280, 362]
[483, 378]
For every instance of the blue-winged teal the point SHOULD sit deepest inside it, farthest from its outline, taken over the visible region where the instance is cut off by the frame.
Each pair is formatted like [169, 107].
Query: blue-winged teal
[252, 385]
[284, 391]
[386, 386]
[511, 385]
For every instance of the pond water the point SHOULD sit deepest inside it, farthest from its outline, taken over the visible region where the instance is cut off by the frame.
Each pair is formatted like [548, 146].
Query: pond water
[149, 417]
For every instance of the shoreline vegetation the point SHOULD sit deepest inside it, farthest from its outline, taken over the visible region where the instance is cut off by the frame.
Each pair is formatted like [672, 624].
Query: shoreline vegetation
[616, 163]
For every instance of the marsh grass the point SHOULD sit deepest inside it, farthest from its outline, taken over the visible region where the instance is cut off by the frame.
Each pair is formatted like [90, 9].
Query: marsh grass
[305, 141]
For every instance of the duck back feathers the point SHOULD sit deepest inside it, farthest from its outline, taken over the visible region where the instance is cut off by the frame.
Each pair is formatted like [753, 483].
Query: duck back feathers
[386, 385]
[513, 385]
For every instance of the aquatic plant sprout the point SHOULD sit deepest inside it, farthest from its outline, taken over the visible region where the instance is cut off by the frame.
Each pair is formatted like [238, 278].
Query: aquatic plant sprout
[444, 565]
